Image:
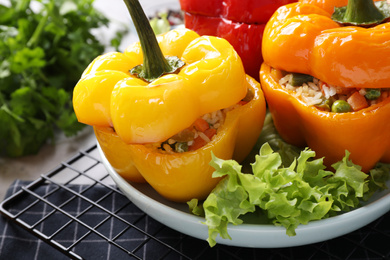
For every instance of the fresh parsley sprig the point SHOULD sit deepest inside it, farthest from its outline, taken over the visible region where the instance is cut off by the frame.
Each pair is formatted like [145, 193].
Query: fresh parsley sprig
[43, 52]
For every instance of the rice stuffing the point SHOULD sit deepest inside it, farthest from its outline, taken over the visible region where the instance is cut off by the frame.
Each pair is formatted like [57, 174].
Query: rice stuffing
[197, 135]
[323, 95]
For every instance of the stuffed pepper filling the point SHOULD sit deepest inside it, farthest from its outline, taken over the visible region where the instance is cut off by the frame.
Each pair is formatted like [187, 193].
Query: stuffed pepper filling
[197, 135]
[201, 132]
[331, 98]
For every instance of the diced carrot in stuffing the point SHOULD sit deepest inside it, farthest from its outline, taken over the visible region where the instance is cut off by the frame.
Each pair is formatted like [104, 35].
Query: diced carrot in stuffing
[385, 94]
[201, 125]
[210, 132]
[198, 143]
[357, 101]
[343, 91]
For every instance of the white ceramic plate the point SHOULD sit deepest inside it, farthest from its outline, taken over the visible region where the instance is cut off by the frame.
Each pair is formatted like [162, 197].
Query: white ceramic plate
[177, 216]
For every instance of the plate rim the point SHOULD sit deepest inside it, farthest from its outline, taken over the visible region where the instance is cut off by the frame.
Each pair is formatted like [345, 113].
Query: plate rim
[252, 235]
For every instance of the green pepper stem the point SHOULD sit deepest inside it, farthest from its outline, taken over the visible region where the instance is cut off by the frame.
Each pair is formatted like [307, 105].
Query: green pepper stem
[362, 11]
[154, 62]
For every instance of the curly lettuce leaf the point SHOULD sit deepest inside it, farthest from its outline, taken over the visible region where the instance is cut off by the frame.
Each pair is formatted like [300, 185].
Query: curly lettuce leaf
[282, 185]
[289, 196]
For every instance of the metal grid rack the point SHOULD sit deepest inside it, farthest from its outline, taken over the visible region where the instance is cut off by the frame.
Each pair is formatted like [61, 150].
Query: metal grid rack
[106, 217]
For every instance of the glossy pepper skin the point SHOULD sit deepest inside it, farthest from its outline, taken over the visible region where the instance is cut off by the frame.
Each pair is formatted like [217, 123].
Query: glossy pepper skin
[144, 114]
[241, 22]
[365, 133]
[182, 176]
[296, 38]
[117, 153]
[303, 38]
[141, 112]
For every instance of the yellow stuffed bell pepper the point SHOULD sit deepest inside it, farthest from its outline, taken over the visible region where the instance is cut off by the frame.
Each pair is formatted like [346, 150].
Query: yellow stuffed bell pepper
[160, 108]
[183, 176]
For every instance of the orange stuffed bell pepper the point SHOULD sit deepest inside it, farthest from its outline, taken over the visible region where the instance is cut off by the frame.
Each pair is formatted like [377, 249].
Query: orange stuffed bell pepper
[160, 108]
[326, 84]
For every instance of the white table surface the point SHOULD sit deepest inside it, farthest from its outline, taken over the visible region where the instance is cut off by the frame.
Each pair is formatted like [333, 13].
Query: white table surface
[51, 155]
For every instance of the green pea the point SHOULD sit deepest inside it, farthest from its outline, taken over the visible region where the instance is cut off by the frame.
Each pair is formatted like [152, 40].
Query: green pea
[181, 147]
[372, 93]
[341, 106]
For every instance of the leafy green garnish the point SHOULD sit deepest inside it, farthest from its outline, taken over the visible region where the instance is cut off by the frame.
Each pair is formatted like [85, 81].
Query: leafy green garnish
[44, 52]
[284, 194]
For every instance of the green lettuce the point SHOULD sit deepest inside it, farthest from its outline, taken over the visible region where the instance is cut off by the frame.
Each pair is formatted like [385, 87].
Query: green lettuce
[284, 194]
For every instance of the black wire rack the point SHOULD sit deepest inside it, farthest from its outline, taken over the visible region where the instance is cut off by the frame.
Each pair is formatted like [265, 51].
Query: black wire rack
[105, 218]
